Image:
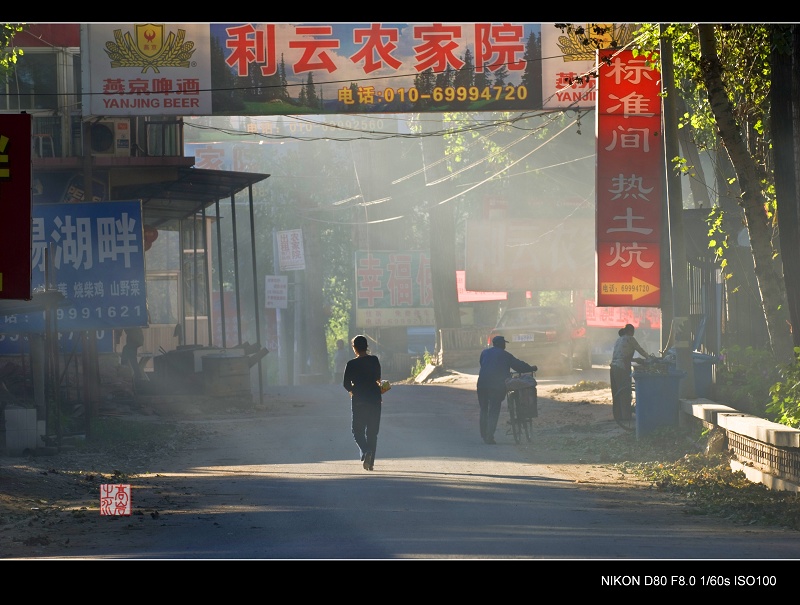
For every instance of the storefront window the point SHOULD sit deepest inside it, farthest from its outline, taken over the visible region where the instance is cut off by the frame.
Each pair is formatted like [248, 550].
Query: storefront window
[31, 83]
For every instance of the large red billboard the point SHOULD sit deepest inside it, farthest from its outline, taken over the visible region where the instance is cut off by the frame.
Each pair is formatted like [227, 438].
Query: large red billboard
[15, 201]
[630, 156]
[236, 69]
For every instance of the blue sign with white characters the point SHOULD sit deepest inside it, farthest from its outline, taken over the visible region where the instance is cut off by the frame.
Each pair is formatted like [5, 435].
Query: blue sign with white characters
[68, 342]
[94, 256]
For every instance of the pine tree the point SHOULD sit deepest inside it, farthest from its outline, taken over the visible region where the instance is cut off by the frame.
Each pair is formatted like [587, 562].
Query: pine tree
[423, 82]
[225, 97]
[445, 79]
[284, 84]
[356, 106]
[500, 76]
[311, 92]
[464, 79]
[481, 80]
[532, 76]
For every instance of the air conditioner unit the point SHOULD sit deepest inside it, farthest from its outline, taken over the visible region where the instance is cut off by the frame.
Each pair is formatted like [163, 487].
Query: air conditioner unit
[111, 136]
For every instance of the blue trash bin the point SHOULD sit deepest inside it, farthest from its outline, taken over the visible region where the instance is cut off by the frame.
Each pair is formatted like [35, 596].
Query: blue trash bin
[657, 399]
[703, 374]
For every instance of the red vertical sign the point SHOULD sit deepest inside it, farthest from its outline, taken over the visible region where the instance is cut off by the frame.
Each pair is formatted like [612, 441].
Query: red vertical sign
[629, 181]
[15, 206]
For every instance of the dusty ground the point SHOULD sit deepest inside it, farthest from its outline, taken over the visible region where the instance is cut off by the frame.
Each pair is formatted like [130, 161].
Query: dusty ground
[570, 424]
[54, 492]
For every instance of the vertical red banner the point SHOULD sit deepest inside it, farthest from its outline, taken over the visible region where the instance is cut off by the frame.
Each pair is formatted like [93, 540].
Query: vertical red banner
[630, 158]
[15, 206]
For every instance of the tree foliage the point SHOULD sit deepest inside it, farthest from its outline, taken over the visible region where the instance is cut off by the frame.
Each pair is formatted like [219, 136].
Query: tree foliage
[725, 75]
[9, 53]
[785, 394]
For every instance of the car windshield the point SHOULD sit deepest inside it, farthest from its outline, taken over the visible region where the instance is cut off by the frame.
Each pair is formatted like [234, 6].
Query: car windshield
[529, 317]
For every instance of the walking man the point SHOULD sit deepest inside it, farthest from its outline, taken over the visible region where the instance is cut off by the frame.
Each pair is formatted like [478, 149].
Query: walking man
[496, 366]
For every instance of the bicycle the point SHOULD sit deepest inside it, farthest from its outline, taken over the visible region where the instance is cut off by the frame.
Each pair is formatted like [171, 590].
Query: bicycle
[522, 400]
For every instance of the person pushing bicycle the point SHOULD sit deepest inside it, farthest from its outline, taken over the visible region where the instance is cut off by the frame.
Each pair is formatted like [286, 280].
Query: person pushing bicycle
[496, 365]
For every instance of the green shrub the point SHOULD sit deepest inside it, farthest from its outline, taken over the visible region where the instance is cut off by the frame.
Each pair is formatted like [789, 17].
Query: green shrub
[785, 404]
[421, 363]
[744, 378]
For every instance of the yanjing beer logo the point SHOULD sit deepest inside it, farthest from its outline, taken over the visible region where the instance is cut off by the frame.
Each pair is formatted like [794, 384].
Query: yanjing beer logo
[149, 49]
[574, 46]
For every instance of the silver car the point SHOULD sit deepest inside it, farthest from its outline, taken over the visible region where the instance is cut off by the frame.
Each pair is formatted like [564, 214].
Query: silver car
[548, 337]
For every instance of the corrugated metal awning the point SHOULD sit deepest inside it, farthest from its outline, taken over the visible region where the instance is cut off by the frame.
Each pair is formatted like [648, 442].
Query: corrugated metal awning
[193, 190]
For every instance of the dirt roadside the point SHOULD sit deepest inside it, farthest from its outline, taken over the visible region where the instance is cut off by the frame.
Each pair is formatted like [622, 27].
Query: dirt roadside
[49, 497]
[572, 425]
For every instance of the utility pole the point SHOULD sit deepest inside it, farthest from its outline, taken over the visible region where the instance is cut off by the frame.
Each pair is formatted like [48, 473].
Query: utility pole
[442, 230]
[280, 320]
[681, 327]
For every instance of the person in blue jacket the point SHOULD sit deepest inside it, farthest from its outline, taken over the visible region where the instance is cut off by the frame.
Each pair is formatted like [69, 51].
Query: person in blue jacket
[496, 366]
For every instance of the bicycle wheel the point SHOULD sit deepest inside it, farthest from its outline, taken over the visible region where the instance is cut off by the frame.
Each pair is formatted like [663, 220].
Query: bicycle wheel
[527, 426]
[514, 418]
[529, 414]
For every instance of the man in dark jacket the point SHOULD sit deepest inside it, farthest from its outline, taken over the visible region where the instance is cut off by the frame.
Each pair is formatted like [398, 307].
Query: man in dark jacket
[496, 366]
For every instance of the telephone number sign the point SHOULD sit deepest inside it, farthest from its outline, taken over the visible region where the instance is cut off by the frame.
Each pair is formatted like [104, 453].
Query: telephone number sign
[94, 256]
[369, 96]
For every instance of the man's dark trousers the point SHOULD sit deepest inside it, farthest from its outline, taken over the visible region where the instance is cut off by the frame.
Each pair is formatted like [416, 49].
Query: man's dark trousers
[490, 401]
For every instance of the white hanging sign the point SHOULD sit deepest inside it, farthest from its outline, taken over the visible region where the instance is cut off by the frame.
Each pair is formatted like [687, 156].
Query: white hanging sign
[290, 250]
[276, 294]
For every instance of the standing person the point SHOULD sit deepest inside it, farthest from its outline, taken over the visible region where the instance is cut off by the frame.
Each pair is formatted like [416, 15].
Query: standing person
[496, 366]
[362, 377]
[621, 381]
[134, 338]
[340, 358]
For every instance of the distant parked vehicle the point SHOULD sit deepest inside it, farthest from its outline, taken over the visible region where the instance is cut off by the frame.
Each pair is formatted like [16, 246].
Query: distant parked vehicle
[549, 337]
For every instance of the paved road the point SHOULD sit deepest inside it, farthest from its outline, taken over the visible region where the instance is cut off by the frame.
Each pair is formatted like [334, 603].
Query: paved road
[286, 483]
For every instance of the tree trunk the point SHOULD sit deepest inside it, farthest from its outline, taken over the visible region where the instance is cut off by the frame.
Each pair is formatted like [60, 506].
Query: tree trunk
[442, 236]
[785, 130]
[793, 291]
[443, 267]
[681, 326]
[767, 270]
[314, 301]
